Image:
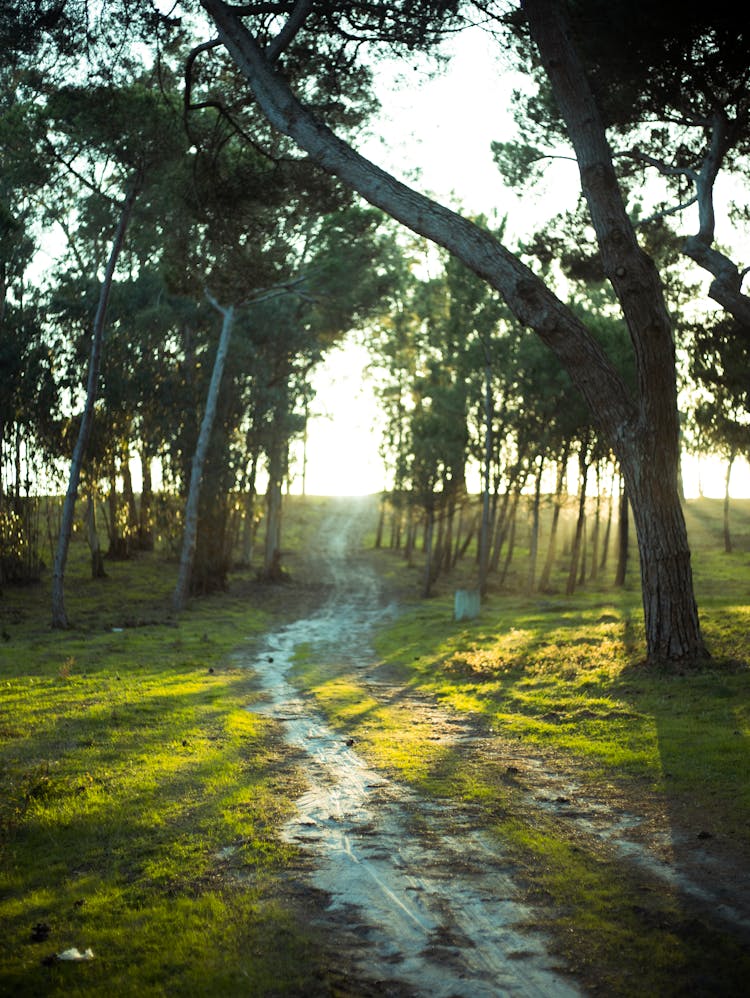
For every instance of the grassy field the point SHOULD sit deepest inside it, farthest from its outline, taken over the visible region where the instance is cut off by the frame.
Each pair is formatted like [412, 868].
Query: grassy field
[140, 803]
[561, 680]
[139, 800]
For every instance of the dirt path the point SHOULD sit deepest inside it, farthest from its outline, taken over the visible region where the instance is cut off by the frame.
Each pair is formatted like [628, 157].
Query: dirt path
[426, 902]
[421, 900]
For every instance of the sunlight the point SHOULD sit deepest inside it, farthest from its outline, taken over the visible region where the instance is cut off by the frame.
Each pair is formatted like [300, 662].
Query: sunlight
[344, 430]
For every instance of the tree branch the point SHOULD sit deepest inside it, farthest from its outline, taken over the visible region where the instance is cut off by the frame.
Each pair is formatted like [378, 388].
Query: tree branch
[290, 30]
[528, 297]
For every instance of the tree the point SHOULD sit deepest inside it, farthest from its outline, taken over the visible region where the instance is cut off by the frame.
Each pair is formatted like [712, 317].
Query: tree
[59, 615]
[134, 129]
[671, 81]
[720, 367]
[642, 429]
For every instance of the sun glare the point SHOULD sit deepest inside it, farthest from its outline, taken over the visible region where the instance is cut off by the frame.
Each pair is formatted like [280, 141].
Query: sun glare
[344, 429]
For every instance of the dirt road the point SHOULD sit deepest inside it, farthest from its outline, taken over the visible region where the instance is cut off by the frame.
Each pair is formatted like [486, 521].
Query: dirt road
[428, 902]
[421, 900]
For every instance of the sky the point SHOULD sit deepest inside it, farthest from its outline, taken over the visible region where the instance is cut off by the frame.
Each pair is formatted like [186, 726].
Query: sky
[435, 134]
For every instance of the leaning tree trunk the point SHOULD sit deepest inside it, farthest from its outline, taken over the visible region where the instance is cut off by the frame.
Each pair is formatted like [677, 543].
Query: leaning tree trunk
[179, 597]
[59, 616]
[642, 428]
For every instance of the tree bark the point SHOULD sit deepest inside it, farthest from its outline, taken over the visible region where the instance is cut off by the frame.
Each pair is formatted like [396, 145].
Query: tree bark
[248, 522]
[145, 527]
[427, 578]
[534, 544]
[129, 497]
[484, 535]
[583, 466]
[511, 536]
[179, 597]
[642, 432]
[59, 615]
[727, 533]
[622, 536]
[118, 542]
[595, 533]
[648, 450]
[549, 562]
[277, 459]
[92, 536]
[607, 530]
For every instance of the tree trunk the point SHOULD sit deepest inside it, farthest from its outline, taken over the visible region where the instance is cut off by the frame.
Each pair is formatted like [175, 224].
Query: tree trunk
[583, 552]
[411, 534]
[622, 536]
[511, 536]
[672, 634]
[552, 546]
[248, 524]
[727, 534]
[501, 529]
[129, 497]
[427, 579]
[607, 526]
[59, 615]
[596, 532]
[276, 466]
[577, 539]
[534, 545]
[632, 423]
[484, 535]
[118, 542]
[92, 537]
[179, 597]
[145, 526]
[381, 520]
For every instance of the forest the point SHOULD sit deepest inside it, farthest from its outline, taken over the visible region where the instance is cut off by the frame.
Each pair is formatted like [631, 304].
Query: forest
[187, 231]
[203, 265]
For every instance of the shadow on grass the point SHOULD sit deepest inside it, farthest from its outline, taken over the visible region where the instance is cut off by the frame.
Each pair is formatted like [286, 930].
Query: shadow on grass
[552, 678]
[144, 825]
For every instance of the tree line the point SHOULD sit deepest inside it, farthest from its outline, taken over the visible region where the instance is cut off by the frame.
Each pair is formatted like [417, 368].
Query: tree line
[221, 140]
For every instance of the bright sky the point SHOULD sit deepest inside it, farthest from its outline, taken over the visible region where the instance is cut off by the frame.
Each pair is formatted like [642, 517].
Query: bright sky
[343, 433]
[435, 134]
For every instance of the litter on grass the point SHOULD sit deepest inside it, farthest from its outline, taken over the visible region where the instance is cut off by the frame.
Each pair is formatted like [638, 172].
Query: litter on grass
[74, 955]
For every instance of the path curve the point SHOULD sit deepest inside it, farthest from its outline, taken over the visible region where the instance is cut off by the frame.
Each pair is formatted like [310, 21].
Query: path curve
[429, 897]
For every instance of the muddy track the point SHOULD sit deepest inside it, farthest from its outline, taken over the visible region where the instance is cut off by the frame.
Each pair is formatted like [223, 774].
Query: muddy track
[421, 900]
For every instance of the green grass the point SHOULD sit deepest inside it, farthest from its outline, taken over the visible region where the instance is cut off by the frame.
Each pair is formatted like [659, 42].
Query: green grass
[562, 678]
[140, 801]
[140, 818]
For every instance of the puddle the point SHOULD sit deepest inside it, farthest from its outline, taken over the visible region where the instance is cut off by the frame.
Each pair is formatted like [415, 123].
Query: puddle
[430, 899]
